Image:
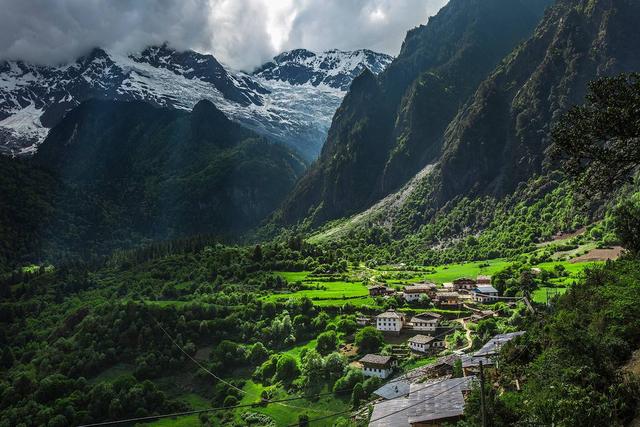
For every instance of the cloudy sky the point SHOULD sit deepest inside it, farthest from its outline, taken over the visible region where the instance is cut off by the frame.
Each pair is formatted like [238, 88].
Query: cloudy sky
[240, 33]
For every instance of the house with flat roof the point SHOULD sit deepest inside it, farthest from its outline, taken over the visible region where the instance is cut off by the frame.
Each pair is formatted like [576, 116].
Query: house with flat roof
[375, 365]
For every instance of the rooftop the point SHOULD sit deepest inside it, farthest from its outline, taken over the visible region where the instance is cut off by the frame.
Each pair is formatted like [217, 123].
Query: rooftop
[448, 294]
[474, 361]
[394, 389]
[464, 280]
[421, 339]
[420, 287]
[376, 359]
[486, 289]
[390, 314]
[427, 316]
[426, 402]
[492, 347]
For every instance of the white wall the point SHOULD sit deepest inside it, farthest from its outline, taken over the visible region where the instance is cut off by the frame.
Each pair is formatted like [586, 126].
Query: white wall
[385, 324]
[373, 372]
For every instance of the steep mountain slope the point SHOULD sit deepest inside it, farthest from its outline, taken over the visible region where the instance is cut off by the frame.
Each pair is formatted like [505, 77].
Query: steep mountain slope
[500, 138]
[388, 128]
[118, 173]
[34, 98]
[496, 145]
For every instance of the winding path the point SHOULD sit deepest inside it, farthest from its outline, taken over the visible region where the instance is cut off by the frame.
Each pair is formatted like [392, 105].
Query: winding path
[468, 336]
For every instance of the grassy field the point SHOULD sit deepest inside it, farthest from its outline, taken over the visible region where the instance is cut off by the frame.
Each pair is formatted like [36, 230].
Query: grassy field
[540, 294]
[351, 288]
[287, 413]
[323, 291]
[448, 273]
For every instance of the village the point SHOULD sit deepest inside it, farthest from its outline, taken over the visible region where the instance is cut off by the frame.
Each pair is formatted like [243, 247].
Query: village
[435, 393]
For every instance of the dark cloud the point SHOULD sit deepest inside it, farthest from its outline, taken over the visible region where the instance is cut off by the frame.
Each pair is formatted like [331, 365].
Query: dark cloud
[241, 33]
[375, 24]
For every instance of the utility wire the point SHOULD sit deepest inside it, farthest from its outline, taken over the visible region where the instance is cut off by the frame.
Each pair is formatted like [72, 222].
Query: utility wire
[263, 401]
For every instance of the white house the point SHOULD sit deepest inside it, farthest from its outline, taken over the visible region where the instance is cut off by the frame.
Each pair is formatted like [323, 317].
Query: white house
[390, 321]
[414, 292]
[426, 321]
[424, 343]
[374, 365]
[485, 293]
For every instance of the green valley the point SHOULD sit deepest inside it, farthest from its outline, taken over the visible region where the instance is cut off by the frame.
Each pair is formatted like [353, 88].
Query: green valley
[464, 251]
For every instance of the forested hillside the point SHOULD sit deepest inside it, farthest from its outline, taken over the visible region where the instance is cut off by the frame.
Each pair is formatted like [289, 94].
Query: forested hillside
[116, 174]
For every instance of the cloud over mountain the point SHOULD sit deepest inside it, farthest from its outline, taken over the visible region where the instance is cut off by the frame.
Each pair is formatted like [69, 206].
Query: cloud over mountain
[241, 33]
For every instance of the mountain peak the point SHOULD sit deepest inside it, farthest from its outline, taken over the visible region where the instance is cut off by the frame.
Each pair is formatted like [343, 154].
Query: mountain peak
[333, 68]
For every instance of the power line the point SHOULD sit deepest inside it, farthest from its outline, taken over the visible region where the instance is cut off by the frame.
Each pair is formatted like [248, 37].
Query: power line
[388, 400]
[398, 397]
[263, 401]
[211, 373]
[199, 411]
[419, 402]
[194, 360]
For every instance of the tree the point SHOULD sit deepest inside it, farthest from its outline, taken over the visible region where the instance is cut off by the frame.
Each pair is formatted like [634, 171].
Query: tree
[369, 340]
[347, 326]
[7, 359]
[258, 353]
[457, 369]
[598, 143]
[287, 368]
[357, 395]
[371, 384]
[335, 364]
[348, 381]
[320, 321]
[313, 365]
[626, 219]
[327, 342]
[257, 253]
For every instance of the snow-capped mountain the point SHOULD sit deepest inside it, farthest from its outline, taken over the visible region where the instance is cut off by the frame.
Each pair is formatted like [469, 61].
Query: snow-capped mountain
[291, 99]
[334, 68]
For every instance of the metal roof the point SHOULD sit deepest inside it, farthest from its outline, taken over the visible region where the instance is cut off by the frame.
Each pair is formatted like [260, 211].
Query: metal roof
[492, 347]
[486, 289]
[426, 402]
[474, 361]
[393, 390]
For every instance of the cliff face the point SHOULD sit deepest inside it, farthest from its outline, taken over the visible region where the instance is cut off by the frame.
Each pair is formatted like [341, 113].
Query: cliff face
[389, 127]
[499, 139]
